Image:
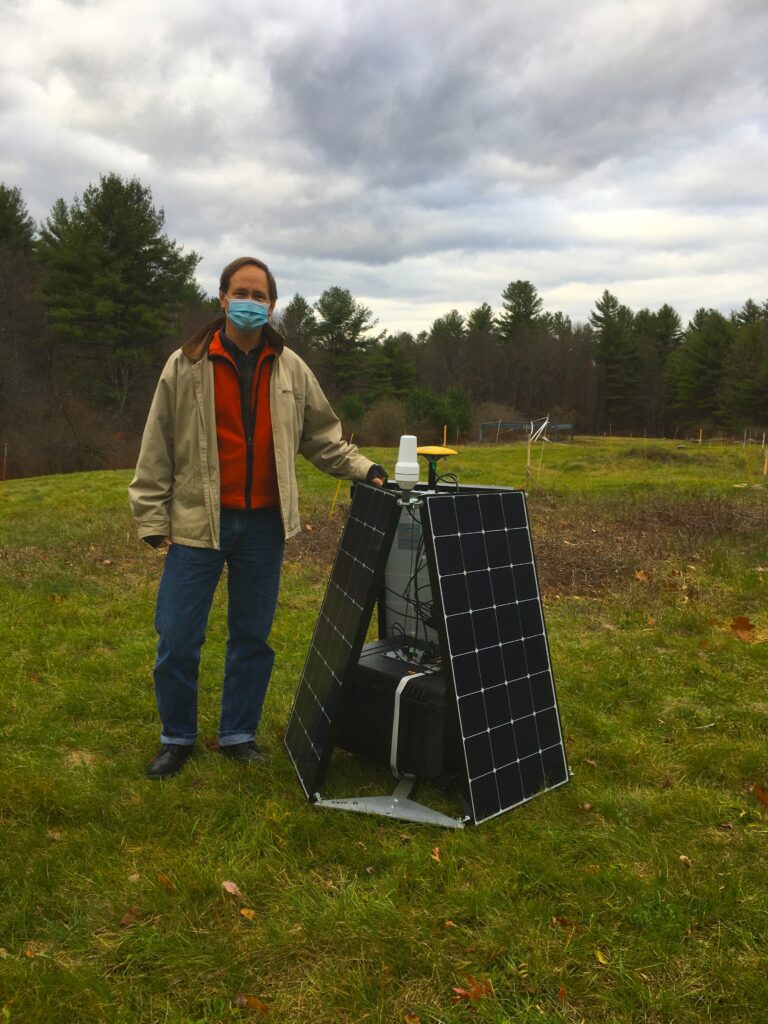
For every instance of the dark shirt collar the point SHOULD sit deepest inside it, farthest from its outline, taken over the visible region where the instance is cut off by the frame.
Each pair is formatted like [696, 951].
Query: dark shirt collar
[237, 354]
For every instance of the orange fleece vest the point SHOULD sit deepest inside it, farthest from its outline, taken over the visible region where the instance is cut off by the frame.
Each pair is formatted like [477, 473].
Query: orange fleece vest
[246, 457]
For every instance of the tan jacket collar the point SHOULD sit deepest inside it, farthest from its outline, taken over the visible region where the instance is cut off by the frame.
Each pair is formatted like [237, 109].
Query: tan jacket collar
[194, 348]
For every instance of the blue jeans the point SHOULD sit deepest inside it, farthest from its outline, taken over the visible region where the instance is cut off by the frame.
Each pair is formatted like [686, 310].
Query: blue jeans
[252, 546]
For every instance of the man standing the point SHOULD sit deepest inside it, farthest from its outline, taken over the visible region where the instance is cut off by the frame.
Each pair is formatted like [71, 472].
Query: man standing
[216, 483]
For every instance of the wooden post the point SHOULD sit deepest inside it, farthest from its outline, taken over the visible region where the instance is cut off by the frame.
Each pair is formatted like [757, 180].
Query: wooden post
[445, 435]
[701, 434]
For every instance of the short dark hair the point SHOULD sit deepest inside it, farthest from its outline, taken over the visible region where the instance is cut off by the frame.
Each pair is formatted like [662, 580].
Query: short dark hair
[244, 261]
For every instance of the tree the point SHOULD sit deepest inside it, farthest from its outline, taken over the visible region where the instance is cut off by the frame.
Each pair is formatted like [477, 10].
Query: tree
[697, 367]
[114, 285]
[297, 324]
[750, 313]
[521, 311]
[342, 335]
[617, 354]
[17, 229]
[744, 389]
[391, 368]
[481, 320]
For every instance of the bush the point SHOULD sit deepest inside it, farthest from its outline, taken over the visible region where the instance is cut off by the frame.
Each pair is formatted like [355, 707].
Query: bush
[384, 422]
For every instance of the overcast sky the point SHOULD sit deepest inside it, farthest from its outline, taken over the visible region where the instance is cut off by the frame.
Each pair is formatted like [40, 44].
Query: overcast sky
[422, 153]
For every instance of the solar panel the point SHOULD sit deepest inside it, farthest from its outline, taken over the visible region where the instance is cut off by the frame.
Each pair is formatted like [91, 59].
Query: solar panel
[497, 648]
[340, 630]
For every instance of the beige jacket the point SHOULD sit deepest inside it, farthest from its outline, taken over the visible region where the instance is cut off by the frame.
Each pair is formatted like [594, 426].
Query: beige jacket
[175, 489]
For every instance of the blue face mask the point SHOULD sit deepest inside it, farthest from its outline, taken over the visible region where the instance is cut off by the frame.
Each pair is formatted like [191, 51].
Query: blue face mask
[248, 315]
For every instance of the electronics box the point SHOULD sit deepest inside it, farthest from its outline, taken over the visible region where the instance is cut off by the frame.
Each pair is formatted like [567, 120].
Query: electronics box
[399, 712]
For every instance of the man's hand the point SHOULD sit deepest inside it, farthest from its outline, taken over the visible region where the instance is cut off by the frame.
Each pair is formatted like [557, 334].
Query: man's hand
[377, 476]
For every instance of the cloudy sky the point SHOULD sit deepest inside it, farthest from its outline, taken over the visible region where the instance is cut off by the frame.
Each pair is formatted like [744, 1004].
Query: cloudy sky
[422, 153]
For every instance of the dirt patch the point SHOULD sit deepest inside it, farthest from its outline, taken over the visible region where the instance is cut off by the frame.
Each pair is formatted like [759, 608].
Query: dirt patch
[588, 548]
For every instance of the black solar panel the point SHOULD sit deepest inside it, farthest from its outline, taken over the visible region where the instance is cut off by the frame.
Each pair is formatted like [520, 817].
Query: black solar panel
[494, 626]
[340, 630]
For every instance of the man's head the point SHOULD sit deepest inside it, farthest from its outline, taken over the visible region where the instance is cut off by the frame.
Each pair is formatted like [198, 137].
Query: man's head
[247, 278]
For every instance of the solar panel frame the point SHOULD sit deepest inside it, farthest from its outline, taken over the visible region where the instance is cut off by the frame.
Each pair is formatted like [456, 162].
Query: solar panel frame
[496, 655]
[340, 630]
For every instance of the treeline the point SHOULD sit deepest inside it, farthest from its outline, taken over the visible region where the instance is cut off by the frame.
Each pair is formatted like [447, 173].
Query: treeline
[93, 300]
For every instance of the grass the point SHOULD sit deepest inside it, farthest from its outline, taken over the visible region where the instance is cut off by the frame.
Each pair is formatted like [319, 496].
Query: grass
[575, 907]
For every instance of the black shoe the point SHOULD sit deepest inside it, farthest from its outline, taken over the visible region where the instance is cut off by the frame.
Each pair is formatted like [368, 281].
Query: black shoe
[171, 759]
[247, 752]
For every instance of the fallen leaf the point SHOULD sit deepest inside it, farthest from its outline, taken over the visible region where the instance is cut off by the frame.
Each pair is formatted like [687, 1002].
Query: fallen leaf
[601, 957]
[561, 994]
[743, 629]
[4, 954]
[477, 990]
[412, 1018]
[308, 527]
[590, 762]
[134, 877]
[435, 855]
[585, 807]
[369, 870]
[450, 924]
[165, 881]
[686, 861]
[129, 917]
[107, 561]
[761, 794]
[609, 626]
[564, 922]
[232, 889]
[726, 826]
[642, 576]
[245, 1002]
[248, 914]
[53, 833]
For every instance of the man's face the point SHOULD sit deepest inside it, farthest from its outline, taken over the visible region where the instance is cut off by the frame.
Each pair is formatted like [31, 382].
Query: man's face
[248, 282]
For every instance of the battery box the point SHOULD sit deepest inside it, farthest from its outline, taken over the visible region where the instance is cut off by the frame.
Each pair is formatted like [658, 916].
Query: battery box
[397, 711]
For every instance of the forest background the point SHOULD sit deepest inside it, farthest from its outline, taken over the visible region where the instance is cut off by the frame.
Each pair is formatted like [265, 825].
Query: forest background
[94, 299]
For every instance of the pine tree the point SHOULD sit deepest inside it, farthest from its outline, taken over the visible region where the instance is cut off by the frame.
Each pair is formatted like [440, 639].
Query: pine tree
[343, 336]
[17, 229]
[114, 284]
[618, 356]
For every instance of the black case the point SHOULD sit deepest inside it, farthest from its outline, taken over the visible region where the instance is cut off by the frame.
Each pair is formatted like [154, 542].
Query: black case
[429, 744]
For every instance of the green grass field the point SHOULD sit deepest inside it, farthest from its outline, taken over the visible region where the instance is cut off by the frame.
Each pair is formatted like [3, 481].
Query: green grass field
[637, 893]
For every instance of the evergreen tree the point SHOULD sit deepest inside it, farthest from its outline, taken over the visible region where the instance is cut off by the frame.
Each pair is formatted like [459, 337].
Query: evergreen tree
[617, 354]
[697, 368]
[522, 309]
[343, 336]
[481, 320]
[114, 284]
[750, 313]
[744, 390]
[391, 368]
[17, 229]
[297, 324]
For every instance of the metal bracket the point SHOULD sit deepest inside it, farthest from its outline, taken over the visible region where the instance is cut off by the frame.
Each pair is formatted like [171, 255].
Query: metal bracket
[398, 805]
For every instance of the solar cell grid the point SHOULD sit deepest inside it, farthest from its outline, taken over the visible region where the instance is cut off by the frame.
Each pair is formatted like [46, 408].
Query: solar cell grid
[339, 631]
[498, 651]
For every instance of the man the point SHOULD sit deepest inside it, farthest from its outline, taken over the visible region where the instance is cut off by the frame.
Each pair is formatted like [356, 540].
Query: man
[216, 483]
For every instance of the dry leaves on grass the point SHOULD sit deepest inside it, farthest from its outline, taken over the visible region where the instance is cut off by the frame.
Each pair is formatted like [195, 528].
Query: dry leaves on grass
[244, 1001]
[129, 918]
[232, 889]
[412, 1018]
[435, 855]
[743, 629]
[601, 957]
[642, 576]
[476, 990]
[248, 914]
[165, 881]
[761, 794]
[686, 861]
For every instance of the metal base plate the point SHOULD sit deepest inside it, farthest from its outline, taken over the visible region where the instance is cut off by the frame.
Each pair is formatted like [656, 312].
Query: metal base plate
[397, 805]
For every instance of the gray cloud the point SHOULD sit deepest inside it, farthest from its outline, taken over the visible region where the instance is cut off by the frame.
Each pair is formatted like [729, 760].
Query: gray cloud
[419, 154]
